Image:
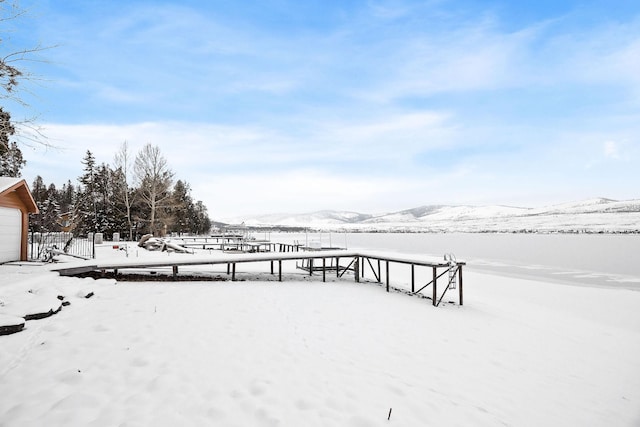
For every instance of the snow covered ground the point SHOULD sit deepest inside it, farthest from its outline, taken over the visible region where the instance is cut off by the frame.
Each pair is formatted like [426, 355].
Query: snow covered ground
[302, 352]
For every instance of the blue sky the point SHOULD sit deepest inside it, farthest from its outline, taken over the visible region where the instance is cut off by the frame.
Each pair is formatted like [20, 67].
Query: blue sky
[374, 106]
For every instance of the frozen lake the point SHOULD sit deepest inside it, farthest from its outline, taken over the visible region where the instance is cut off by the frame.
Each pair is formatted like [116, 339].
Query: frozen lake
[587, 259]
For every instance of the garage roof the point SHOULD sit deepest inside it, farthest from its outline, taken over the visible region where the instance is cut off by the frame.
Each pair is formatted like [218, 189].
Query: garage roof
[19, 185]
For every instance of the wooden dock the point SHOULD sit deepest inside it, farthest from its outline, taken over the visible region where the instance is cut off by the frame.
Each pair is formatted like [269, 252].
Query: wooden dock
[236, 243]
[337, 262]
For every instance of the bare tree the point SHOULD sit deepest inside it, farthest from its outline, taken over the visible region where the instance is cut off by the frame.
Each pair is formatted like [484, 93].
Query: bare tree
[12, 74]
[122, 162]
[154, 180]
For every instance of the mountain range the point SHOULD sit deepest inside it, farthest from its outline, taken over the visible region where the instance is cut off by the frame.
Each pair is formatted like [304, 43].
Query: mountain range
[593, 215]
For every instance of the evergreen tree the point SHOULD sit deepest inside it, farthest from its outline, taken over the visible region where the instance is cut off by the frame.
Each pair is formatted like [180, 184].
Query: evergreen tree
[182, 208]
[39, 194]
[104, 194]
[86, 215]
[50, 214]
[11, 160]
[201, 220]
[66, 196]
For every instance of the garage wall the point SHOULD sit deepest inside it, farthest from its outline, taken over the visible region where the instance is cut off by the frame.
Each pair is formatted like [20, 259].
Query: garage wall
[10, 234]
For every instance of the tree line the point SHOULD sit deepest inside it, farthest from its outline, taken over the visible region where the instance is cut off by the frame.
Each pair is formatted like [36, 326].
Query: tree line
[133, 197]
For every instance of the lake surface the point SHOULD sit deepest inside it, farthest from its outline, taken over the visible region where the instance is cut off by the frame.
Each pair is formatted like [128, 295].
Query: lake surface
[587, 259]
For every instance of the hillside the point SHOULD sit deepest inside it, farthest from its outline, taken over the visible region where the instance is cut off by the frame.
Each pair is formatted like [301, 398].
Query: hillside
[593, 215]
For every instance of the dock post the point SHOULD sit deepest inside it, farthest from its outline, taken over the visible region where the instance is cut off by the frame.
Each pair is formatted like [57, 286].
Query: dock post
[175, 272]
[356, 269]
[379, 274]
[324, 269]
[387, 265]
[271, 267]
[310, 266]
[228, 269]
[280, 270]
[233, 272]
[460, 283]
[413, 278]
[337, 266]
[434, 295]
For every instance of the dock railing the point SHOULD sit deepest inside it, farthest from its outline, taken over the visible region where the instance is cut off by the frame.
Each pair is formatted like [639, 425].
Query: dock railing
[322, 262]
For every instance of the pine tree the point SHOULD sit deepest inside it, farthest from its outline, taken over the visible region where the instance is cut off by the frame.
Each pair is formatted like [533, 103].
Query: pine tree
[11, 160]
[50, 214]
[39, 194]
[182, 207]
[201, 220]
[102, 192]
[66, 196]
[86, 215]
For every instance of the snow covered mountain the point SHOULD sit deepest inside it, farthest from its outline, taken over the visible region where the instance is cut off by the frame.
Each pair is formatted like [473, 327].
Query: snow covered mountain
[593, 215]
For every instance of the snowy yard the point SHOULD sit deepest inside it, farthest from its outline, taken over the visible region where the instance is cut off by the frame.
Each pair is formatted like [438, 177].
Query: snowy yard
[303, 352]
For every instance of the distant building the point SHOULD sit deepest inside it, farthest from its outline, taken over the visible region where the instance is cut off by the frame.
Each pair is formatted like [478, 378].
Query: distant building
[16, 203]
[65, 221]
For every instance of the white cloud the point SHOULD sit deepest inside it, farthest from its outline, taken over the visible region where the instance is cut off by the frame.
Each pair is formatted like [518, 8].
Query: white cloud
[191, 146]
[345, 114]
[611, 150]
[259, 169]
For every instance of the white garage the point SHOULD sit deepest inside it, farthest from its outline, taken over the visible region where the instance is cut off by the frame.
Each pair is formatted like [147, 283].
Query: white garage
[10, 234]
[16, 203]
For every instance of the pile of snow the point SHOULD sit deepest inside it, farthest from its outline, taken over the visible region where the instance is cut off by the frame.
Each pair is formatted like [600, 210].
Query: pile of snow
[32, 292]
[161, 244]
